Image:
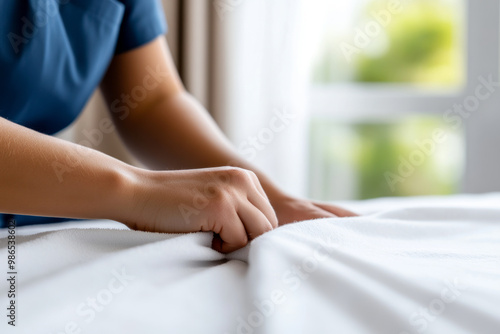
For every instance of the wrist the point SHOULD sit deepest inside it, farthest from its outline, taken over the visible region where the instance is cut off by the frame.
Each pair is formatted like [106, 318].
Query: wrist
[276, 195]
[125, 185]
[273, 192]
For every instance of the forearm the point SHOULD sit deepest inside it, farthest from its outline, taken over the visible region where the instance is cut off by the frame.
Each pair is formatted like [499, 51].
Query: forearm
[178, 133]
[44, 176]
[167, 129]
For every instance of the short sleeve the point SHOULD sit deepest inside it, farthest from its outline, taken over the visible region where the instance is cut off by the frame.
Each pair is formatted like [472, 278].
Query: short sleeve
[143, 21]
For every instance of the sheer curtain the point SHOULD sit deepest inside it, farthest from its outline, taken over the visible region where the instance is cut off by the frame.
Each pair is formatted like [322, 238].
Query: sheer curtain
[263, 89]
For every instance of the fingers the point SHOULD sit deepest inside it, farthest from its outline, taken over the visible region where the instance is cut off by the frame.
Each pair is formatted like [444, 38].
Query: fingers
[248, 224]
[264, 207]
[312, 212]
[234, 234]
[320, 213]
[253, 217]
[339, 212]
[261, 202]
[231, 235]
[254, 221]
[251, 212]
[257, 184]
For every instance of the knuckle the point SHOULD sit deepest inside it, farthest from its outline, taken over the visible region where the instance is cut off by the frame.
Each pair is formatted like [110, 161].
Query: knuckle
[235, 176]
[240, 176]
[252, 175]
[236, 172]
[211, 189]
[221, 201]
[226, 175]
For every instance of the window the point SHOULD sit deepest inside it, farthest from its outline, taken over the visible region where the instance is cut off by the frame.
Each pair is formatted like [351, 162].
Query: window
[368, 159]
[418, 42]
[390, 75]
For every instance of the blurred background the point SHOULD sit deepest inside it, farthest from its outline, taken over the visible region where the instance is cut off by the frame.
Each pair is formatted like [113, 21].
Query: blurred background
[345, 100]
[389, 45]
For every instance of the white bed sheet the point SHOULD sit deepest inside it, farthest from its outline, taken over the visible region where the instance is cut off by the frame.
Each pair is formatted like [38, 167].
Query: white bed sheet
[416, 265]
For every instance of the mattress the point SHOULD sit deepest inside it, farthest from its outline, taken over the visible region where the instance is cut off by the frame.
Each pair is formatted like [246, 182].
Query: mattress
[414, 265]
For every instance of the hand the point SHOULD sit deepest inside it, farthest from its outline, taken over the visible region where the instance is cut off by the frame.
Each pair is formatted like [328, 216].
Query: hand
[289, 210]
[228, 201]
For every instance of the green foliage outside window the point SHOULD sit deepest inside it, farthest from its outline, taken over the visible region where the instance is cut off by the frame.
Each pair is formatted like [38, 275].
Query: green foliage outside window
[420, 45]
[385, 158]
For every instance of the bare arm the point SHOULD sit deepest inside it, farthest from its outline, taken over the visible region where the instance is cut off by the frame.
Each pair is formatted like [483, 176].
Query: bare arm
[170, 129]
[45, 176]
[41, 175]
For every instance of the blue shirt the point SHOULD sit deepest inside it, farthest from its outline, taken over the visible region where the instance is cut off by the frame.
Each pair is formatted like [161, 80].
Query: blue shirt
[54, 53]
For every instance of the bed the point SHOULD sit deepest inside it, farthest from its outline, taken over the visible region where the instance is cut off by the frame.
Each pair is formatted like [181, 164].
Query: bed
[407, 266]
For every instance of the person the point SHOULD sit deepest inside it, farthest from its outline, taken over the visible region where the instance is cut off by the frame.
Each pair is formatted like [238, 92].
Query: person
[53, 54]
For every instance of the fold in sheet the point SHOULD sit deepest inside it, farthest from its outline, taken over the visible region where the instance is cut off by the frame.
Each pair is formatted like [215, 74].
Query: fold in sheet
[410, 266]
